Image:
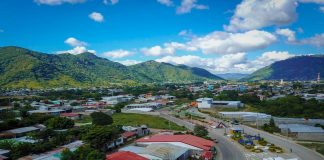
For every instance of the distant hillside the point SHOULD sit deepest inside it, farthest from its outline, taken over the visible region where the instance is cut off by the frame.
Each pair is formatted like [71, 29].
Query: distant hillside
[165, 72]
[23, 68]
[232, 76]
[296, 68]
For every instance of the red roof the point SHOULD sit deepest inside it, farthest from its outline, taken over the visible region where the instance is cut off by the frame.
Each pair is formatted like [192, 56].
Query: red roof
[187, 139]
[207, 155]
[128, 134]
[69, 114]
[124, 155]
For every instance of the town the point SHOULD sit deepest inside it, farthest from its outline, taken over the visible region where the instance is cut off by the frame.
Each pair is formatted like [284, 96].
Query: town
[210, 120]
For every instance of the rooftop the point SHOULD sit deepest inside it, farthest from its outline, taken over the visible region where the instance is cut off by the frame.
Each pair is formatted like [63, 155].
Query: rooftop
[187, 139]
[301, 128]
[124, 155]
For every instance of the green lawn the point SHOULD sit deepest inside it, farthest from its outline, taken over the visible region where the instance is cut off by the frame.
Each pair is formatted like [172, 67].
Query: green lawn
[139, 119]
[319, 147]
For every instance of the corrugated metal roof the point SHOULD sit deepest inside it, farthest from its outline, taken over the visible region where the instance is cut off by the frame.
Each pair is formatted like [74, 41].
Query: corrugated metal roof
[301, 128]
[165, 151]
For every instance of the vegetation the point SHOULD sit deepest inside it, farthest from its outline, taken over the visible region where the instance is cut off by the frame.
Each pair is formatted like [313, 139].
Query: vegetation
[271, 127]
[296, 68]
[149, 120]
[85, 152]
[319, 147]
[59, 123]
[22, 68]
[99, 118]
[200, 131]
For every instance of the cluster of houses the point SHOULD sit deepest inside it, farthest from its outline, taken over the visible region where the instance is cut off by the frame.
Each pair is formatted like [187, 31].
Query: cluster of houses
[166, 146]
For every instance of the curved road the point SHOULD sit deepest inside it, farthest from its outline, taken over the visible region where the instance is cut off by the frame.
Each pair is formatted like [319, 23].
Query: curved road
[302, 152]
[226, 149]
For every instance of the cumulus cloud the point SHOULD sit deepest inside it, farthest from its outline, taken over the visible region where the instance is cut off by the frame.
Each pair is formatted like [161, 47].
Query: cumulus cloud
[110, 2]
[317, 40]
[129, 62]
[229, 43]
[230, 63]
[117, 54]
[77, 50]
[290, 34]
[187, 5]
[96, 16]
[256, 14]
[217, 43]
[321, 9]
[58, 2]
[166, 2]
[74, 42]
[312, 1]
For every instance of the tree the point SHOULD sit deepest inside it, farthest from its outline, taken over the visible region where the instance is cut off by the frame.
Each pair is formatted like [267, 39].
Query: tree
[67, 155]
[100, 136]
[200, 131]
[99, 118]
[59, 123]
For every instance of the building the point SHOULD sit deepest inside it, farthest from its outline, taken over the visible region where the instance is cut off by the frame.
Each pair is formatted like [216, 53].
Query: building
[161, 151]
[210, 103]
[73, 116]
[113, 100]
[143, 106]
[19, 132]
[245, 116]
[124, 155]
[195, 145]
[302, 132]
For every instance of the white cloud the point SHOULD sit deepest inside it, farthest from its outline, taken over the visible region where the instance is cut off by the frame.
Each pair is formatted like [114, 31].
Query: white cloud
[111, 2]
[290, 34]
[129, 62]
[96, 16]
[187, 5]
[321, 9]
[312, 1]
[74, 42]
[256, 14]
[231, 63]
[228, 43]
[58, 2]
[77, 50]
[117, 54]
[217, 43]
[317, 40]
[166, 2]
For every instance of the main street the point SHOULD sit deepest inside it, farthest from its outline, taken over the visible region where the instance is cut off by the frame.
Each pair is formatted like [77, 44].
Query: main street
[226, 149]
[302, 152]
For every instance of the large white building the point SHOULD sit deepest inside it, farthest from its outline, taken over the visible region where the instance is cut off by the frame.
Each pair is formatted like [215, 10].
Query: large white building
[210, 103]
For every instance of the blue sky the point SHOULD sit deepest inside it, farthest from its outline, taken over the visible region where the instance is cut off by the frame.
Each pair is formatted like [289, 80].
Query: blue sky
[219, 35]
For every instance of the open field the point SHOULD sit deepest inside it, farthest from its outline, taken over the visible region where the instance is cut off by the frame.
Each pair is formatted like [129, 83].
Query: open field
[139, 119]
[319, 147]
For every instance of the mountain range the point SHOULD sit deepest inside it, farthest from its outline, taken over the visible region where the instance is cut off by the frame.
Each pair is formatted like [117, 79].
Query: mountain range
[295, 68]
[23, 68]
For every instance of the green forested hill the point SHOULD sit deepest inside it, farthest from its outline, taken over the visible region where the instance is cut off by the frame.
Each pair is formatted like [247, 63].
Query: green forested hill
[165, 72]
[23, 68]
[296, 68]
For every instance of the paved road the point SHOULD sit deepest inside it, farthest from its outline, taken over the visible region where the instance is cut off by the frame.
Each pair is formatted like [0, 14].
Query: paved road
[227, 149]
[302, 152]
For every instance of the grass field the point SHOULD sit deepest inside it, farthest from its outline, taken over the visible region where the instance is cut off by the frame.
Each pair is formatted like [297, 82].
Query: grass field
[319, 147]
[139, 119]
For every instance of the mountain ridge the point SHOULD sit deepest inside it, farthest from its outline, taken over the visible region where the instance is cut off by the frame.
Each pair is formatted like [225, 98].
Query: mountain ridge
[24, 68]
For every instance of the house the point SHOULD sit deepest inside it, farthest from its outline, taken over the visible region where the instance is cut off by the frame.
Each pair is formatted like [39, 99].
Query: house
[139, 131]
[162, 151]
[302, 132]
[113, 100]
[195, 145]
[73, 116]
[4, 154]
[19, 132]
[210, 103]
[117, 142]
[128, 136]
[124, 155]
